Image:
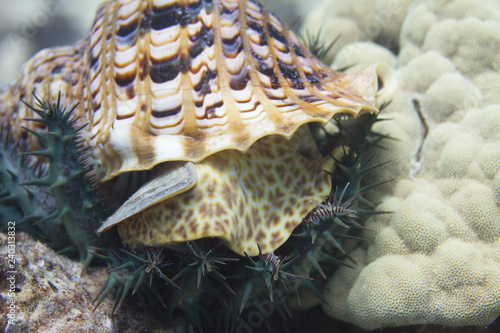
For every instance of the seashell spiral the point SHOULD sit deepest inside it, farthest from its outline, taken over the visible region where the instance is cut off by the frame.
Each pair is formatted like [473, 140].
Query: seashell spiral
[164, 80]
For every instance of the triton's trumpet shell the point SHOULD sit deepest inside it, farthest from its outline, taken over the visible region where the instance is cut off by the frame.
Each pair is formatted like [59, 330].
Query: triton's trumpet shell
[198, 81]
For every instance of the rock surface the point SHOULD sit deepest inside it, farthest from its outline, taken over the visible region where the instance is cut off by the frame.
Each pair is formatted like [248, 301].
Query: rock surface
[52, 294]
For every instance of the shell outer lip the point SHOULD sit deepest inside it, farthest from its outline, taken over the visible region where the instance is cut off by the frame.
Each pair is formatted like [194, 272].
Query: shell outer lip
[172, 179]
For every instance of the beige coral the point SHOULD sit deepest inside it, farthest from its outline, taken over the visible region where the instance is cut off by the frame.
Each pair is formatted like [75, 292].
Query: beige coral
[354, 21]
[356, 55]
[436, 259]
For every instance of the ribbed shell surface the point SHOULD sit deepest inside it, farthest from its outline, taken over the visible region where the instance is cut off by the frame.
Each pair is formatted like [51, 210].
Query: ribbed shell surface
[161, 80]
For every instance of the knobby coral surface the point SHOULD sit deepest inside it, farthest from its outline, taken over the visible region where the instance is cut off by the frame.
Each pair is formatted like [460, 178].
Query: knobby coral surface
[436, 258]
[346, 22]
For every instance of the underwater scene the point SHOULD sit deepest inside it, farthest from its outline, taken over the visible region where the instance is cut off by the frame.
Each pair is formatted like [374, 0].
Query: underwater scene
[250, 166]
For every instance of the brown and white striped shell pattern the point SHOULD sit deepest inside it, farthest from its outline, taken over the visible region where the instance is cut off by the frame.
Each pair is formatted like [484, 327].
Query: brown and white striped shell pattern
[183, 80]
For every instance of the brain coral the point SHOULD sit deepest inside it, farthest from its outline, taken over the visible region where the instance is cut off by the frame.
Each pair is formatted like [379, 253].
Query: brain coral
[436, 258]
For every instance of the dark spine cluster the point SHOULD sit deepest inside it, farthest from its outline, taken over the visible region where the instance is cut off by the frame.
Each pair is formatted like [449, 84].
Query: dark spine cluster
[74, 206]
[28, 206]
[215, 291]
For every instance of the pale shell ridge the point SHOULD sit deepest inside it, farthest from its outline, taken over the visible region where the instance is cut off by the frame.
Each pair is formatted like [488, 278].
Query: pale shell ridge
[160, 81]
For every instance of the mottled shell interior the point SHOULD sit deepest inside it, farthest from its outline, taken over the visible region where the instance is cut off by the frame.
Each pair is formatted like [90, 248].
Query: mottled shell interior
[165, 80]
[244, 199]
